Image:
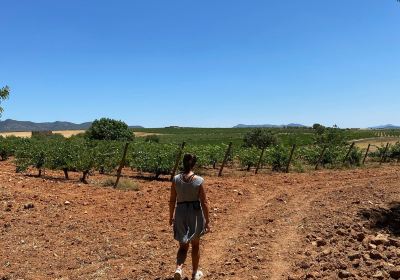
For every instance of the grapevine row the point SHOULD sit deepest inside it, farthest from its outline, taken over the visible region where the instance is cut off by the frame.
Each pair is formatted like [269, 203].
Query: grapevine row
[84, 156]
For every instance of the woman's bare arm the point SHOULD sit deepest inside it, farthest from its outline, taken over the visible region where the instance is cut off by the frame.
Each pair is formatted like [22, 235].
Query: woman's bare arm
[204, 206]
[172, 203]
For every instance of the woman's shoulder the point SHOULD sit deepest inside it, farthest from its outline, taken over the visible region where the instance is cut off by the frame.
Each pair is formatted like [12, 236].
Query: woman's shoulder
[176, 178]
[198, 180]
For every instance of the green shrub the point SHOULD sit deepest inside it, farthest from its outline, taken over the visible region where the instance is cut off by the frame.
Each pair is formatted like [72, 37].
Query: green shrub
[208, 155]
[278, 157]
[310, 154]
[334, 155]
[41, 134]
[108, 155]
[152, 138]
[379, 153]
[249, 157]
[31, 153]
[330, 137]
[259, 137]
[5, 149]
[62, 155]
[319, 129]
[155, 158]
[9, 145]
[355, 156]
[394, 152]
[108, 129]
[4, 94]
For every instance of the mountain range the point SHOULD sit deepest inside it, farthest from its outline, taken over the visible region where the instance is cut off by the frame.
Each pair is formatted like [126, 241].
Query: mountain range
[386, 126]
[14, 126]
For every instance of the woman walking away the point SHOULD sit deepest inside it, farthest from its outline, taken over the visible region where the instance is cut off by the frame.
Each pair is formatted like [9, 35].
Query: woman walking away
[188, 215]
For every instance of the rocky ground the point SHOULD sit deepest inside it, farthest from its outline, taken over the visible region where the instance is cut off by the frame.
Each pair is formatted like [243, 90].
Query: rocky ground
[319, 225]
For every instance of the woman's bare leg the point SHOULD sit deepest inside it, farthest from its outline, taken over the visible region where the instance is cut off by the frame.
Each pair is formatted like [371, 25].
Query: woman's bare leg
[195, 255]
[182, 254]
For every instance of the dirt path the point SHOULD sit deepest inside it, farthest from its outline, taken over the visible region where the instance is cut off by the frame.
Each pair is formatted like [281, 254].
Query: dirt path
[243, 226]
[287, 237]
[223, 237]
[290, 207]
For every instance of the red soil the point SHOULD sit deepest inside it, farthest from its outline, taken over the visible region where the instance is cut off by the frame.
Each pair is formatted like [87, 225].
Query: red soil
[318, 225]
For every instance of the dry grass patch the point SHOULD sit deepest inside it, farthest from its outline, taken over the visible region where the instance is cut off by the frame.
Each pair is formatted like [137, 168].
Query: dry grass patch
[68, 133]
[124, 184]
[22, 134]
[376, 142]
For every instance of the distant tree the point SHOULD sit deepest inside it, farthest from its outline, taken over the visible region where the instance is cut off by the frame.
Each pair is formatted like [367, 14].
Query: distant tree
[316, 125]
[109, 129]
[152, 139]
[331, 137]
[4, 94]
[319, 129]
[260, 138]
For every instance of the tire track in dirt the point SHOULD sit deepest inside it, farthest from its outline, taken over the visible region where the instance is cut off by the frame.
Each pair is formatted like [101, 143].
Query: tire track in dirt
[260, 200]
[242, 221]
[287, 237]
[219, 241]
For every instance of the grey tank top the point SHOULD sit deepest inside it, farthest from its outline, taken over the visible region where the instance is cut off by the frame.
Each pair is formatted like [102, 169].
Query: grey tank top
[187, 191]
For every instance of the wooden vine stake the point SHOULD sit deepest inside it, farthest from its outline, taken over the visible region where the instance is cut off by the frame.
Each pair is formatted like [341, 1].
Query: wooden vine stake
[366, 154]
[122, 164]
[178, 159]
[383, 158]
[348, 152]
[225, 159]
[259, 161]
[320, 157]
[290, 158]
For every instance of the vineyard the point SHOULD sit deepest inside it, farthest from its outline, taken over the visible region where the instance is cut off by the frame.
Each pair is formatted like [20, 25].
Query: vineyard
[200, 140]
[287, 136]
[78, 154]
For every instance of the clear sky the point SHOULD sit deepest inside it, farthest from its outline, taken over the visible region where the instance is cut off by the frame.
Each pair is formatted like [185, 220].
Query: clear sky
[202, 63]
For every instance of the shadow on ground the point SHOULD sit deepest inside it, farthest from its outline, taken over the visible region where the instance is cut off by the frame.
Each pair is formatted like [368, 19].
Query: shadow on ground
[151, 178]
[387, 219]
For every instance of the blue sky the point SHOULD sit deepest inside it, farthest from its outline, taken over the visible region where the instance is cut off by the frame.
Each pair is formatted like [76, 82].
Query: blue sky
[202, 63]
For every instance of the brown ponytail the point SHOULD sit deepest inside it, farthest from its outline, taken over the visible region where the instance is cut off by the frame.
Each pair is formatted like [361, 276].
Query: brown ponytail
[189, 161]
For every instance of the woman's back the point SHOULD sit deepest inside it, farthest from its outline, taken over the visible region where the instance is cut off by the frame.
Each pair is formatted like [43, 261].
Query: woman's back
[189, 214]
[187, 190]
